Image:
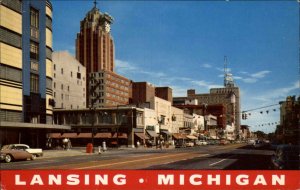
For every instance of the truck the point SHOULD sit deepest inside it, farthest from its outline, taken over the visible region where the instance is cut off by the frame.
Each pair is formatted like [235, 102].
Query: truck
[36, 152]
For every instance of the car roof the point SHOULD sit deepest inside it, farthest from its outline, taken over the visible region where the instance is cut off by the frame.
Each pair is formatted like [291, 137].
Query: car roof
[20, 144]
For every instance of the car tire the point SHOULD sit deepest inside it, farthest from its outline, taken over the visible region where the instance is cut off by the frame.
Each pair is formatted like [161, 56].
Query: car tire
[33, 157]
[8, 158]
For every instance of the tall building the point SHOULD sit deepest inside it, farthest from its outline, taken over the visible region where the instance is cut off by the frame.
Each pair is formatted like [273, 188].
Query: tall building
[69, 82]
[94, 43]
[95, 50]
[26, 61]
[26, 101]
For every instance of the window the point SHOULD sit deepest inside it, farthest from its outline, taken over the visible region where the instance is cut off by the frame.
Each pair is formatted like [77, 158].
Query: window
[54, 67]
[34, 18]
[71, 74]
[62, 71]
[62, 86]
[54, 84]
[62, 96]
[34, 50]
[54, 75]
[54, 94]
[34, 83]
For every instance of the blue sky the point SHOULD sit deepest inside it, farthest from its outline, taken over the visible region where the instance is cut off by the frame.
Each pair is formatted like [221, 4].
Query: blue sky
[182, 44]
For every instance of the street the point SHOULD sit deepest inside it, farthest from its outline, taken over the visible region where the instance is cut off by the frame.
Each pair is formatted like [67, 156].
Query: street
[212, 157]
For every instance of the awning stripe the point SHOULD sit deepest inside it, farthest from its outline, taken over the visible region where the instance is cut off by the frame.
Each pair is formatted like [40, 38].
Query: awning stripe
[141, 135]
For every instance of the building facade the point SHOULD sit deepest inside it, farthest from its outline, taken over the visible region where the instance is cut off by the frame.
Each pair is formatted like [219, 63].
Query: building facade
[108, 89]
[69, 82]
[26, 102]
[26, 62]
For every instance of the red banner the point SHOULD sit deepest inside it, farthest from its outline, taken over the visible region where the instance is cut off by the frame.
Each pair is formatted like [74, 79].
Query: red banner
[148, 179]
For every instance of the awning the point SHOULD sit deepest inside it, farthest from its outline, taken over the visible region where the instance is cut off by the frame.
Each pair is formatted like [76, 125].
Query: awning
[84, 135]
[191, 137]
[69, 135]
[141, 135]
[103, 135]
[152, 133]
[179, 136]
[167, 133]
[120, 135]
[54, 135]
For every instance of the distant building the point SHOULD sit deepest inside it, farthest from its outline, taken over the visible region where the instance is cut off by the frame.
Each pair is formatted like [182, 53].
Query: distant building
[142, 92]
[228, 98]
[69, 82]
[164, 93]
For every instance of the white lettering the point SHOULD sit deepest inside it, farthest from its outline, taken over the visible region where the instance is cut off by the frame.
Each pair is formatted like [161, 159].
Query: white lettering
[193, 177]
[86, 179]
[260, 179]
[54, 180]
[101, 179]
[36, 179]
[181, 179]
[165, 179]
[242, 180]
[278, 180]
[211, 179]
[72, 179]
[18, 182]
[119, 179]
[228, 179]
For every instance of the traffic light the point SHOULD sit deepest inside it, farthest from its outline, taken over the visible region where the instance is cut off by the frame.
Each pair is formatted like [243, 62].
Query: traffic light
[243, 116]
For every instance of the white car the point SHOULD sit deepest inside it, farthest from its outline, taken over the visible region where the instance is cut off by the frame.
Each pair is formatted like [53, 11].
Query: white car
[201, 142]
[189, 144]
[36, 152]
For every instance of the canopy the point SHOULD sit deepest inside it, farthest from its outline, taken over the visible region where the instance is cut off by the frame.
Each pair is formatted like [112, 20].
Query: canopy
[191, 137]
[152, 133]
[141, 135]
[54, 135]
[84, 135]
[69, 135]
[167, 133]
[103, 135]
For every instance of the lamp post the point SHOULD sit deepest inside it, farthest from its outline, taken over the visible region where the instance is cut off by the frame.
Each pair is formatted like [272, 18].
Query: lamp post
[204, 113]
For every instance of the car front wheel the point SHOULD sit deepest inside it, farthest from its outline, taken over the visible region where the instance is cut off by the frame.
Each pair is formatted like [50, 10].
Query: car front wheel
[33, 157]
[8, 158]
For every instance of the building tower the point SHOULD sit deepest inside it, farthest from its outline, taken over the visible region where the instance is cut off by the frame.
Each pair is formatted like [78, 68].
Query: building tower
[94, 43]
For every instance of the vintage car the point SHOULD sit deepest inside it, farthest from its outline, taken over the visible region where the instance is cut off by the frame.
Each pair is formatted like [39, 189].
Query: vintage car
[10, 153]
[38, 152]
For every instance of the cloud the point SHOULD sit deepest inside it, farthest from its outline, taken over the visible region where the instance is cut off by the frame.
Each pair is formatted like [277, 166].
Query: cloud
[260, 74]
[205, 84]
[251, 78]
[206, 65]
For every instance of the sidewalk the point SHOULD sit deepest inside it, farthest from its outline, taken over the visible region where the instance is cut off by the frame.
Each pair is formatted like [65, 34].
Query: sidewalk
[77, 151]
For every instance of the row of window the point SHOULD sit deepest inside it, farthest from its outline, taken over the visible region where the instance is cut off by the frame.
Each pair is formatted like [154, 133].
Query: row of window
[78, 75]
[10, 73]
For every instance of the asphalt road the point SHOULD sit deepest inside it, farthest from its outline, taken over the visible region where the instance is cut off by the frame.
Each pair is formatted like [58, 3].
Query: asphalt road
[229, 157]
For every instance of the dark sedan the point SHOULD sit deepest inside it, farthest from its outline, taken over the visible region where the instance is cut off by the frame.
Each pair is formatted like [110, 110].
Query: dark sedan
[286, 157]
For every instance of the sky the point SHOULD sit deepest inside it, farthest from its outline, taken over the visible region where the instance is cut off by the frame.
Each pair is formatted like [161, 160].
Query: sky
[182, 44]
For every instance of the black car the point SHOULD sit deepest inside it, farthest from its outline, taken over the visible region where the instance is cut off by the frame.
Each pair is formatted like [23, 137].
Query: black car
[286, 157]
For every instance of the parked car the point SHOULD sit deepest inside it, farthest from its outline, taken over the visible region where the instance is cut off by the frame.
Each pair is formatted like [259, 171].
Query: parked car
[201, 142]
[37, 152]
[258, 143]
[189, 144]
[180, 144]
[10, 153]
[223, 142]
[286, 157]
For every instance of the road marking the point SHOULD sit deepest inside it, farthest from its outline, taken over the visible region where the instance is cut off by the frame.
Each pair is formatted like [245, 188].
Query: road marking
[144, 159]
[217, 162]
[221, 160]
